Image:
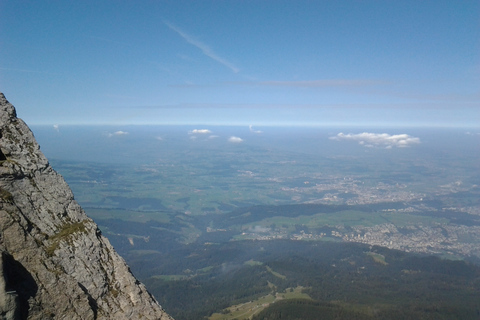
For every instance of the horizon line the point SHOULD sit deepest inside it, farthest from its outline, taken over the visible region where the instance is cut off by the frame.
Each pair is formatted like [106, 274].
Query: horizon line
[284, 125]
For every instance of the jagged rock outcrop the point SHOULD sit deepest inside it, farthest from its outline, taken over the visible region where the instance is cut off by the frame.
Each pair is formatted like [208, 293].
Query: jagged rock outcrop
[54, 262]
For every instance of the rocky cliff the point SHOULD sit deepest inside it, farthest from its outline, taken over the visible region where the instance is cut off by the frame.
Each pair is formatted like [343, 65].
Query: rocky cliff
[54, 262]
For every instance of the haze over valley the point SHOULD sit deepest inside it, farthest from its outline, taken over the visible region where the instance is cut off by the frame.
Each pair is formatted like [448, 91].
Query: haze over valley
[165, 193]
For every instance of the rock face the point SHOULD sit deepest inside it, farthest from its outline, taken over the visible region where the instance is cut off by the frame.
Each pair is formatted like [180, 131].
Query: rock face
[54, 262]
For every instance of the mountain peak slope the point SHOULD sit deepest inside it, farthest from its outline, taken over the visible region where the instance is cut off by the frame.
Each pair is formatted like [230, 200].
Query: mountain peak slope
[54, 262]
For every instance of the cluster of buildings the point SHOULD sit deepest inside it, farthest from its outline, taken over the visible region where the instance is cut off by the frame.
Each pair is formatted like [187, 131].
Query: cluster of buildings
[347, 190]
[450, 239]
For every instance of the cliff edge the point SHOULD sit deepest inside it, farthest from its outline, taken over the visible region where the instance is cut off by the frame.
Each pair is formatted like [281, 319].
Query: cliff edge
[54, 262]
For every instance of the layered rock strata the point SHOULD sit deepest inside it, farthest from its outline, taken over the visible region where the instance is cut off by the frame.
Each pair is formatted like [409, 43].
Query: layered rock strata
[54, 261]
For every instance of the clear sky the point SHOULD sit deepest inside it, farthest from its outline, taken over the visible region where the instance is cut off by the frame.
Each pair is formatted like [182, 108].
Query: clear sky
[372, 63]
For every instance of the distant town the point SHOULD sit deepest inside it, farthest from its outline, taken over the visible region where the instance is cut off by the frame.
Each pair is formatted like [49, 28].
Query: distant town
[442, 238]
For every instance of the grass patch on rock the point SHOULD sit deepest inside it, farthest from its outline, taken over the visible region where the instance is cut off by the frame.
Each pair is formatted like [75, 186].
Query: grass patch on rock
[65, 235]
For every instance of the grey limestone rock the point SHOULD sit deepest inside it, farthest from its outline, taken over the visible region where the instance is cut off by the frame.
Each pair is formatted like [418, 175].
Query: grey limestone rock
[54, 262]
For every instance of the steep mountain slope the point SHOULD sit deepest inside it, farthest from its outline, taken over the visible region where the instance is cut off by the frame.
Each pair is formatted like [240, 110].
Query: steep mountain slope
[54, 262]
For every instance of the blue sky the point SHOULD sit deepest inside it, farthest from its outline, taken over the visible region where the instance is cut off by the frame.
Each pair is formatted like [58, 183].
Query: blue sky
[368, 63]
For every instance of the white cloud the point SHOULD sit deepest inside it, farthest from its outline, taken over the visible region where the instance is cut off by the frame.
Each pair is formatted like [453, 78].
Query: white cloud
[200, 131]
[386, 140]
[254, 131]
[234, 139]
[118, 133]
[203, 47]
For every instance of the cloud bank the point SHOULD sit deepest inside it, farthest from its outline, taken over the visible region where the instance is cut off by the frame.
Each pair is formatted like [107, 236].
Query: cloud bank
[386, 140]
[323, 83]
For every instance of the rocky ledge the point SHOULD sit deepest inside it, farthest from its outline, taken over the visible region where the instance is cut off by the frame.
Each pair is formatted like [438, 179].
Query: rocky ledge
[54, 261]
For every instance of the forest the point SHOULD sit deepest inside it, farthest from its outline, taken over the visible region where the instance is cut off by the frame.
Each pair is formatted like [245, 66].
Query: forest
[342, 280]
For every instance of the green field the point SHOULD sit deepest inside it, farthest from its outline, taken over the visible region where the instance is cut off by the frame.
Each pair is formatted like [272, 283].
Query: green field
[249, 309]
